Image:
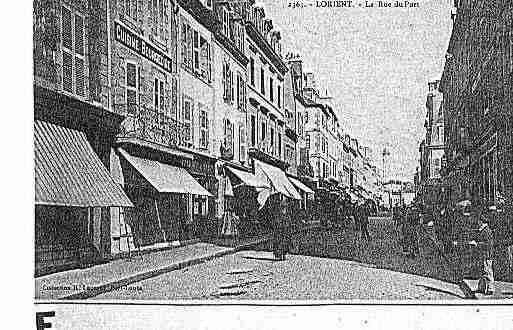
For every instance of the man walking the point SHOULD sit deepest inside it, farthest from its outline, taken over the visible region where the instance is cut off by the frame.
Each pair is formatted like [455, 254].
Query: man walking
[483, 241]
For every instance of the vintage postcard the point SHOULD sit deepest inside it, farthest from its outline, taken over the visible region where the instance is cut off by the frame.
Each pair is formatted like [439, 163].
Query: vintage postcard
[273, 152]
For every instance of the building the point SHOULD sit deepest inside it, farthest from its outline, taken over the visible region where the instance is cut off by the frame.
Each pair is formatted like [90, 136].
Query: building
[230, 96]
[161, 81]
[478, 112]
[74, 132]
[267, 120]
[432, 149]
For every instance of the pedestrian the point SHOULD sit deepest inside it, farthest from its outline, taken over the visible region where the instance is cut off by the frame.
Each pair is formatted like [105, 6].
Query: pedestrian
[483, 242]
[282, 227]
[364, 216]
[412, 232]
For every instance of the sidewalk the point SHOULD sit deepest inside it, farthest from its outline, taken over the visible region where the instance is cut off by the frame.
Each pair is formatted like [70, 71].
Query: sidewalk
[89, 282]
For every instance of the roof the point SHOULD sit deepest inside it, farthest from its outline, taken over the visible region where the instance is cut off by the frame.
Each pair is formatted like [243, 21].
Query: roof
[69, 173]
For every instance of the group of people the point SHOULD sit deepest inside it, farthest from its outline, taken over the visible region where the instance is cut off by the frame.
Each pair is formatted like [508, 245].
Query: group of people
[459, 229]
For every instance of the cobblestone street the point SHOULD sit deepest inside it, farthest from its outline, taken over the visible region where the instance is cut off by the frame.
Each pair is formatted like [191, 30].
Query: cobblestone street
[323, 265]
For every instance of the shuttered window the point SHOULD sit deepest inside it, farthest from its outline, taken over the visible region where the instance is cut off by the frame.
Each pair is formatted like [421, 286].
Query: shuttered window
[73, 51]
[242, 143]
[203, 114]
[131, 88]
[67, 50]
[187, 120]
[79, 55]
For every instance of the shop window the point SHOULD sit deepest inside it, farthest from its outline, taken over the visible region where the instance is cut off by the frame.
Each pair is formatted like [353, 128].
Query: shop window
[73, 51]
[203, 127]
[131, 85]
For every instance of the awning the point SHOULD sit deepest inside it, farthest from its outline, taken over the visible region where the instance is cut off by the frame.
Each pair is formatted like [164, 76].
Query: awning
[69, 173]
[165, 178]
[249, 179]
[301, 185]
[276, 178]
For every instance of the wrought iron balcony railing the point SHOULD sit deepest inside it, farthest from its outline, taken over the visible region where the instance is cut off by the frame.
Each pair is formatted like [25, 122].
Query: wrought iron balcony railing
[153, 126]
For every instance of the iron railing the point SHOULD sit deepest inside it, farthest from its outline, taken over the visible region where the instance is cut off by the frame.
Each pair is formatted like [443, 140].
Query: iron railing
[157, 127]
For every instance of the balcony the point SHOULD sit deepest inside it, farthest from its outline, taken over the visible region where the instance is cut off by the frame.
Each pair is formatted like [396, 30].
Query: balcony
[152, 126]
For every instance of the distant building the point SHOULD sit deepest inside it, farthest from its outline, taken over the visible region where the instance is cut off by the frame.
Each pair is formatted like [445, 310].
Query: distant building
[430, 188]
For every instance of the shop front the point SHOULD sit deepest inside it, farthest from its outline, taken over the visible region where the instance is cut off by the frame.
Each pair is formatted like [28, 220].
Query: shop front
[170, 203]
[73, 192]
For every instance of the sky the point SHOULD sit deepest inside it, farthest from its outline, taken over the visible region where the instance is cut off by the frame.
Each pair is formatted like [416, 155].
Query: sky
[376, 63]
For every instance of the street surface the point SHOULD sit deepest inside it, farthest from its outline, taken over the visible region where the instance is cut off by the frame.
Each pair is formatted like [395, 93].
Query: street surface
[324, 265]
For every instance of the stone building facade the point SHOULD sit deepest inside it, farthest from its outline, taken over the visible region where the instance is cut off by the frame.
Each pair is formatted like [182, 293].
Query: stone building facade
[477, 88]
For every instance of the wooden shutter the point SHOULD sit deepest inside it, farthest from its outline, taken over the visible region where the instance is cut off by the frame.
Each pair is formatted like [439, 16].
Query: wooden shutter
[79, 56]
[67, 50]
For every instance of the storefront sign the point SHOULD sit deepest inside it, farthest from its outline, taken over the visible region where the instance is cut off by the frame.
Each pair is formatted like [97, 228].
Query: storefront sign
[142, 47]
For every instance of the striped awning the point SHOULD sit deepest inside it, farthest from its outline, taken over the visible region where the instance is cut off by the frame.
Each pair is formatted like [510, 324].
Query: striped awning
[301, 185]
[69, 173]
[166, 178]
[276, 178]
[249, 179]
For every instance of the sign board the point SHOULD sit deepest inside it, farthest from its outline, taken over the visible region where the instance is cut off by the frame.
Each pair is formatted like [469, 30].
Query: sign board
[142, 47]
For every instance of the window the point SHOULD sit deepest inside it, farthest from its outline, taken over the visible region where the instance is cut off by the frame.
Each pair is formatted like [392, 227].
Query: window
[253, 130]
[196, 52]
[272, 141]
[228, 136]
[131, 9]
[308, 142]
[240, 37]
[271, 89]
[187, 120]
[158, 96]
[242, 144]
[241, 92]
[262, 81]
[279, 96]
[317, 143]
[226, 22]
[252, 71]
[131, 88]
[228, 86]
[205, 61]
[73, 51]
[306, 117]
[263, 131]
[279, 144]
[203, 116]
[160, 18]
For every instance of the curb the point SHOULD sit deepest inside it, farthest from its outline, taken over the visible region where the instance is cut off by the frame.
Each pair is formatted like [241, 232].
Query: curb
[119, 283]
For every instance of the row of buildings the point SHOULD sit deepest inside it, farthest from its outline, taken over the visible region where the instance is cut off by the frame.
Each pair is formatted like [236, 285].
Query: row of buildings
[152, 117]
[473, 105]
